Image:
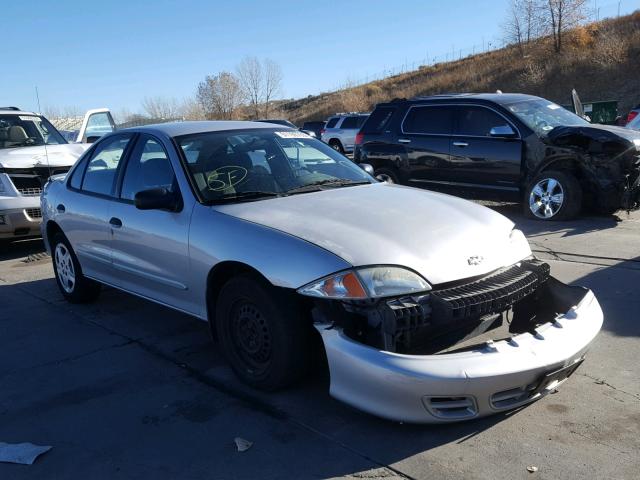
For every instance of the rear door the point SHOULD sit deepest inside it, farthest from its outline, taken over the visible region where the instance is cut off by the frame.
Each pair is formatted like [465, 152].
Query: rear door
[349, 129]
[150, 247]
[486, 150]
[426, 133]
[84, 209]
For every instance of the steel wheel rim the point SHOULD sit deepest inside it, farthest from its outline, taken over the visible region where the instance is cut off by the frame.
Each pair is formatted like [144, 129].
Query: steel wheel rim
[546, 198]
[251, 336]
[64, 268]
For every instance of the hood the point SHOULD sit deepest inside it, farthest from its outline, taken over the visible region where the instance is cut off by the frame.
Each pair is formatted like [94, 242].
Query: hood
[443, 238]
[28, 157]
[584, 136]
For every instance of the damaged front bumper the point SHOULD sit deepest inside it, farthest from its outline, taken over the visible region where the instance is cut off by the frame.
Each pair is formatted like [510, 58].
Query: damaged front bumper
[486, 378]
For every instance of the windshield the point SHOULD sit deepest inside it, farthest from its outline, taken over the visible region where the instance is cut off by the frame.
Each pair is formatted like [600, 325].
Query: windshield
[542, 115]
[261, 163]
[26, 131]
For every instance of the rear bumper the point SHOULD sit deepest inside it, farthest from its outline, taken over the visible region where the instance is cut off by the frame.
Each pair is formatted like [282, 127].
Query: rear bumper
[20, 217]
[459, 386]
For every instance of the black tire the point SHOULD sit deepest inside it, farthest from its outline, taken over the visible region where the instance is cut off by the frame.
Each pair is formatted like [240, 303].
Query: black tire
[571, 196]
[386, 173]
[262, 333]
[83, 289]
[336, 145]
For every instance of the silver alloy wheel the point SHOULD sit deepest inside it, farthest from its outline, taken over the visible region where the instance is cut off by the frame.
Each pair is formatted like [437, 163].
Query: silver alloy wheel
[383, 177]
[64, 268]
[546, 198]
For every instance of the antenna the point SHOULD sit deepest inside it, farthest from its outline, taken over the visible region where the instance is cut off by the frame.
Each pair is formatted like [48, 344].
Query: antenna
[46, 153]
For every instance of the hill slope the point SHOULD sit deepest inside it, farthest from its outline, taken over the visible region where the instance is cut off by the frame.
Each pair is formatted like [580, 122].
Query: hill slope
[600, 60]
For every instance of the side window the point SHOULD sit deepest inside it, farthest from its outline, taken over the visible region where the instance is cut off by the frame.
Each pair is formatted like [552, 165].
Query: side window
[76, 176]
[378, 120]
[429, 120]
[478, 121]
[102, 168]
[332, 122]
[350, 123]
[148, 167]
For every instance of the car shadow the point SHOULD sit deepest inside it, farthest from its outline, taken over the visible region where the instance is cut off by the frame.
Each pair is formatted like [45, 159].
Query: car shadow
[21, 248]
[178, 340]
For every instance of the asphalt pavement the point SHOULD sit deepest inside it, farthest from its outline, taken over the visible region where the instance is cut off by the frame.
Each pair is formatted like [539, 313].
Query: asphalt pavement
[124, 389]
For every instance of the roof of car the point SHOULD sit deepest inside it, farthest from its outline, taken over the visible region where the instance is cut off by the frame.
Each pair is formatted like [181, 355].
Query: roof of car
[176, 129]
[502, 98]
[14, 111]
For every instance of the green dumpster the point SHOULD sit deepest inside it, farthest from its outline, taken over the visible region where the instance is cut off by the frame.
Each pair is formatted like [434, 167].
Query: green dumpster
[599, 112]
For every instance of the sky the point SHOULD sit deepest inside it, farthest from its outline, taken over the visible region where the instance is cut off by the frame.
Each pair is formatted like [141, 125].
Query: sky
[114, 53]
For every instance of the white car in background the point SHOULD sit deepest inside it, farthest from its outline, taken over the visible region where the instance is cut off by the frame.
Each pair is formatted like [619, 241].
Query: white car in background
[32, 150]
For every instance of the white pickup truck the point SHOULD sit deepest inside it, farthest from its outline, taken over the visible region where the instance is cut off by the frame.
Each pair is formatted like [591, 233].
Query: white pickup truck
[31, 150]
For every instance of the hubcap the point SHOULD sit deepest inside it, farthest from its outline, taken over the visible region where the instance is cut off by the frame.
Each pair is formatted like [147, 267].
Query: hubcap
[64, 268]
[383, 177]
[546, 198]
[251, 336]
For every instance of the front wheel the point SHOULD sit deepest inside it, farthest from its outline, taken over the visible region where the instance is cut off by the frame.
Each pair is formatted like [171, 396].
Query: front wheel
[386, 175]
[336, 145]
[73, 285]
[553, 195]
[262, 333]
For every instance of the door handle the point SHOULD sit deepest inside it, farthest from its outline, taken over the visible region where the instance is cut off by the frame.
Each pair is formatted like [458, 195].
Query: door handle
[461, 144]
[60, 208]
[404, 140]
[115, 222]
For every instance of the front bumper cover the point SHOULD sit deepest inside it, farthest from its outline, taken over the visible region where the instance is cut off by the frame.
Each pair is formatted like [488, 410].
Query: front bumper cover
[493, 377]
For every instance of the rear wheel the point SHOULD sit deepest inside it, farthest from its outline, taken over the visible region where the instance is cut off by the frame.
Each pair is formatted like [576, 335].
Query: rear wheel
[262, 333]
[73, 285]
[336, 145]
[386, 175]
[553, 195]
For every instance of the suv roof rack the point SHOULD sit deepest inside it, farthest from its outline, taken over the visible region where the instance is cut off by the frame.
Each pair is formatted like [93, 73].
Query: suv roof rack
[15, 109]
[442, 95]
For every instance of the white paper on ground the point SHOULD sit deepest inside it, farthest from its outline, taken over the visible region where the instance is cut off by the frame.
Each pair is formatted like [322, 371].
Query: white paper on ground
[24, 453]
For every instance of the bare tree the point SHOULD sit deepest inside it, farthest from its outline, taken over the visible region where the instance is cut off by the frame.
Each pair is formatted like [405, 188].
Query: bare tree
[52, 111]
[524, 21]
[249, 73]
[272, 83]
[563, 15]
[161, 107]
[191, 109]
[220, 95]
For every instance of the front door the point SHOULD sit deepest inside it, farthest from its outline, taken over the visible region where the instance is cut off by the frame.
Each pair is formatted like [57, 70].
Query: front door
[486, 150]
[150, 247]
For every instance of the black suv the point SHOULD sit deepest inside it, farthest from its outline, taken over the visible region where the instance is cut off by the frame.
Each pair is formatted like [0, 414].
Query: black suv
[509, 146]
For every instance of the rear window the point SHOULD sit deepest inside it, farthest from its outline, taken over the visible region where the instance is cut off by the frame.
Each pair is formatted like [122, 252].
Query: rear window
[378, 120]
[432, 120]
[332, 122]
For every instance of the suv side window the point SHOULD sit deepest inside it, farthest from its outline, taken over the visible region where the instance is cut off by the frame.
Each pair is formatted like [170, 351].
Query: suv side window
[350, 123]
[332, 122]
[102, 168]
[427, 120]
[148, 167]
[378, 120]
[478, 121]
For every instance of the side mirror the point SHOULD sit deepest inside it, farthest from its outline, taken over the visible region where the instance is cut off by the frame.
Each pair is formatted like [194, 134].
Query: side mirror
[157, 199]
[367, 168]
[504, 131]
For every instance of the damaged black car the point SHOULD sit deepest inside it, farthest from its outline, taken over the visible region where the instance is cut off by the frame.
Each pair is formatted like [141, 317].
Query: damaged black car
[507, 147]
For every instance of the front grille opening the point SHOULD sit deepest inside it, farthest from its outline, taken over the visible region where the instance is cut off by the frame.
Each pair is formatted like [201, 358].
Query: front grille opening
[30, 192]
[33, 213]
[511, 398]
[451, 408]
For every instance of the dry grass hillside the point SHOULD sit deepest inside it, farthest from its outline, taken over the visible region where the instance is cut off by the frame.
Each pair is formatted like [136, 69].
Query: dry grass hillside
[600, 60]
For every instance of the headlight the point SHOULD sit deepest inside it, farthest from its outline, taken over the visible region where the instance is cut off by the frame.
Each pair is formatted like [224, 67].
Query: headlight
[519, 244]
[368, 282]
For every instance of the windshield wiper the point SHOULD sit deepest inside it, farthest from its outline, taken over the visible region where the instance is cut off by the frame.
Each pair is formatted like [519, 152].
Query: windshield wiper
[329, 182]
[244, 196]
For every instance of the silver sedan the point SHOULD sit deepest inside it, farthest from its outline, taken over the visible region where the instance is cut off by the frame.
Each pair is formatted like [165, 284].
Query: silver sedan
[430, 308]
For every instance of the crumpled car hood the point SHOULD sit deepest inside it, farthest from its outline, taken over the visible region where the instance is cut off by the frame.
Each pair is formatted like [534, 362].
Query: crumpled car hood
[29, 157]
[443, 238]
[583, 135]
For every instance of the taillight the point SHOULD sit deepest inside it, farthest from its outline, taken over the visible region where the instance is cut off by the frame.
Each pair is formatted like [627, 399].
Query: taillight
[359, 138]
[631, 116]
